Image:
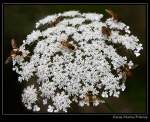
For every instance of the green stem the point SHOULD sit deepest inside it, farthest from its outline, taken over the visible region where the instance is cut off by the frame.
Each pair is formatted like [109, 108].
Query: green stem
[108, 105]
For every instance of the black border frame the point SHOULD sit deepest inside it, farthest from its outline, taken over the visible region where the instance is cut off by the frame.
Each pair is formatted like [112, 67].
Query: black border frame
[116, 115]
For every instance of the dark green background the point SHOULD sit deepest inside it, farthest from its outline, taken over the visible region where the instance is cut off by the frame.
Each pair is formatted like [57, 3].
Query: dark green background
[19, 21]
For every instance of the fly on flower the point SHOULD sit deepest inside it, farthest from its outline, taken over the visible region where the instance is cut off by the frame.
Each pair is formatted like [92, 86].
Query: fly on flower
[67, 45]
[65, 42]
[113, 15]
[126, 71]
[58, 19]
[14, 52]
[90, 99]
[106, 31]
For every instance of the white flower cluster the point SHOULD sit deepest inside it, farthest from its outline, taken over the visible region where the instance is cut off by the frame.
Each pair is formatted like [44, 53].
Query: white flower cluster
[84, 63]
[29, 97]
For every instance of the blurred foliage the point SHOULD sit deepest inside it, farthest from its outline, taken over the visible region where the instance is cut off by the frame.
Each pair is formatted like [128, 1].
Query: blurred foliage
[19, 20]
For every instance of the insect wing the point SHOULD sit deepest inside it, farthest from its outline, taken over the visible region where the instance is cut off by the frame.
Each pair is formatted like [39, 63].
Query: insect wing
[110, 12]
[13, 43]
[8, 60]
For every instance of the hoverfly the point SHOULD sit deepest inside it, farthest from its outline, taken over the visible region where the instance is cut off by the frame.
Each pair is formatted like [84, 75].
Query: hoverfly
[58, 19]
[126, 71]
[14, 52]
[90, 99]
[113, 15]
[67, 45]
[106, 31]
